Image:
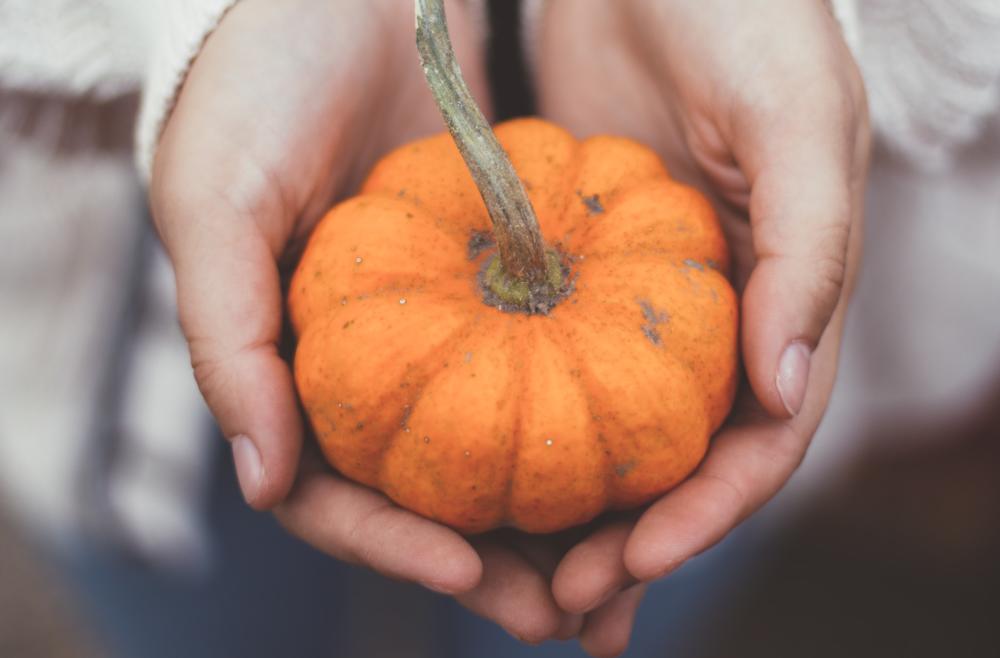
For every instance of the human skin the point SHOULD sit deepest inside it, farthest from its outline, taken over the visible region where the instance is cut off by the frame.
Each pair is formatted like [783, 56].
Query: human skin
[762, 106]
[284, 111]
[289, 104]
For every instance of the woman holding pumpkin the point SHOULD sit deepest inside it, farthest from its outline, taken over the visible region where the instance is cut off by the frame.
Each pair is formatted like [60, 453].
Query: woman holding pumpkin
[286, 106]
[741, 119]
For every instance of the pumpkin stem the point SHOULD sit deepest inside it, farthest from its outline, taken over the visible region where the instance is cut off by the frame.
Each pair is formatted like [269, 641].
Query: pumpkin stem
[525, 264]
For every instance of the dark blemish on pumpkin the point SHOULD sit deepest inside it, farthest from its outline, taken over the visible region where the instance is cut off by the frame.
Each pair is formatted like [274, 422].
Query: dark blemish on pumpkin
[592, 202]
[359, 427]
[407, 410]
[347, 324]
[409, 215]
[652, 334]
[690, 262]
[402, 192]
[318, 274]
[653, 320]
[712, 263]
[427, 439]
[621, 470]
[479, 241]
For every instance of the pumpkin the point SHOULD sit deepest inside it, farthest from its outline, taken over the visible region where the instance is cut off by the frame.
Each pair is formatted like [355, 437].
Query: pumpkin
[434, 370]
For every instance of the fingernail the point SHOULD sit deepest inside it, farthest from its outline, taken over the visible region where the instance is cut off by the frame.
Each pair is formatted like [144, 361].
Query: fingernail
[435, 587]
[793, 373]
[249, 469]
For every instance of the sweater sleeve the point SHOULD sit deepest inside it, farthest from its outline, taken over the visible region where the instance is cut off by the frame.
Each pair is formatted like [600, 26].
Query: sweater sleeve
[67, 47]
[179, 30]
[105, 48]
[932, 69]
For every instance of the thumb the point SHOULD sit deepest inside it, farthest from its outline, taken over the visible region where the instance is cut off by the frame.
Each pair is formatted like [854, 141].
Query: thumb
[229, 299]
[801, 210]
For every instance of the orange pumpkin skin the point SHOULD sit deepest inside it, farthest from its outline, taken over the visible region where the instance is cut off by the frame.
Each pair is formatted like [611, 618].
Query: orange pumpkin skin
[477, 417]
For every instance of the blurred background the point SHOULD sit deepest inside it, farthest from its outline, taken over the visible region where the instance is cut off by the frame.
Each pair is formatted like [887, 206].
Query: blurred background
[122, 532]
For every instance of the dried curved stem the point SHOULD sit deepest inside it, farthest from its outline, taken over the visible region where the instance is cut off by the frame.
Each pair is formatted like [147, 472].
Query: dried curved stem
[515, 227]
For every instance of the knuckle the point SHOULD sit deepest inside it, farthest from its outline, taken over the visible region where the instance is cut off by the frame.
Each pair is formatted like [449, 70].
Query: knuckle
[358, 539]
[212, 377]
[827, 263]
[727, 494]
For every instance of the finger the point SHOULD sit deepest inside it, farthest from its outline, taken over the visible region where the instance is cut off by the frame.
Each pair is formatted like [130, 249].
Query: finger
[746, 466]
[544, 553]
[515, 595]
[607, 630]
[804, 176]
[570, 626]
[229, 300]
[594, 570]
[357, 525]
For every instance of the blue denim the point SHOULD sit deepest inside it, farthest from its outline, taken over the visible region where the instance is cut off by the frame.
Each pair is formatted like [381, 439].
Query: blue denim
[268, 595]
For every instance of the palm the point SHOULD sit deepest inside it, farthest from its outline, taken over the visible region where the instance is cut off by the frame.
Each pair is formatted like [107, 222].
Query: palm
[289, 104]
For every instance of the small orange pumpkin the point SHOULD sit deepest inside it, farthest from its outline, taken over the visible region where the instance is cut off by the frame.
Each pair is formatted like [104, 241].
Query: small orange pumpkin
[424, 378]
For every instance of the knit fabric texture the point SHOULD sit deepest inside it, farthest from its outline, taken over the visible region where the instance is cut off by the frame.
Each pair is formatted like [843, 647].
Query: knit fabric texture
[106, 48]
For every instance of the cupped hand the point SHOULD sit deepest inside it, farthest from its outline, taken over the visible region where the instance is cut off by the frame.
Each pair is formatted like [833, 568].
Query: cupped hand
[284, 110]
[762, 106]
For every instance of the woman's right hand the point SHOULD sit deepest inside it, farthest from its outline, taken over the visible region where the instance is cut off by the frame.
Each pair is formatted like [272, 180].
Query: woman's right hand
[286, 108]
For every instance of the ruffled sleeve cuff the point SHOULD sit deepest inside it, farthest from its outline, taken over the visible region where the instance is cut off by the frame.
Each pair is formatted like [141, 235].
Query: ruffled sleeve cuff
[180, 30]
[932, 70]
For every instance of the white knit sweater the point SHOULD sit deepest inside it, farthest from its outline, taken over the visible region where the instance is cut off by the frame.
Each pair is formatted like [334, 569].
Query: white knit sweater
[107, 47]
[932, 66]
